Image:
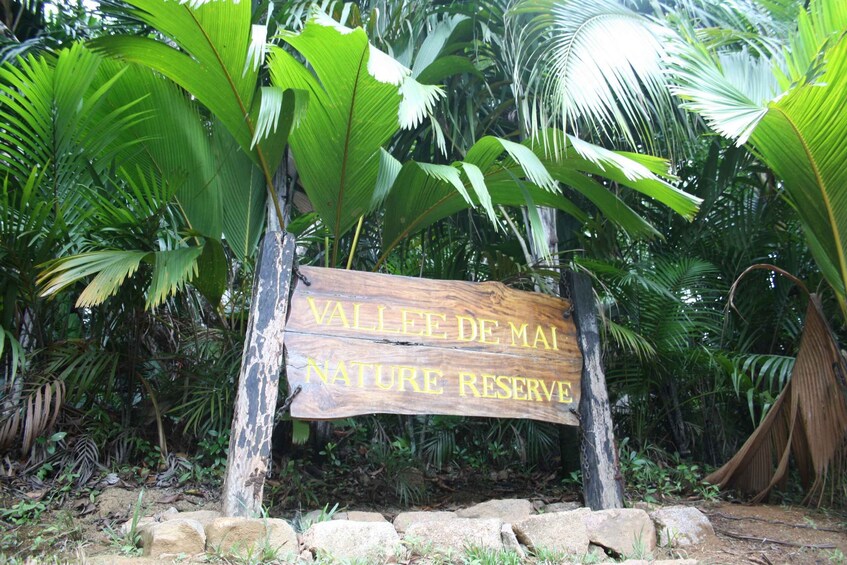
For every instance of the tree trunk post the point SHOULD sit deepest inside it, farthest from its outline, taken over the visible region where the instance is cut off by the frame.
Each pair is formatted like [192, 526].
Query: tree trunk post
[258, 380]
[602, 483]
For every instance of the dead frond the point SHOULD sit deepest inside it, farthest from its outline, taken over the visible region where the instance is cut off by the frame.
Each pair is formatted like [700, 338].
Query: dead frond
[808, 420]
[36, 414]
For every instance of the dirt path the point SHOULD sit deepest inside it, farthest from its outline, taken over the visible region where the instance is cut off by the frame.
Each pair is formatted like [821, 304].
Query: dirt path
[765, 534]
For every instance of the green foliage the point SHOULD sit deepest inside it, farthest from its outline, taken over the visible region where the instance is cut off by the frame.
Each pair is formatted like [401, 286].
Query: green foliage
[129, 543]
[788, 108]
[653, 476]
[485, 556]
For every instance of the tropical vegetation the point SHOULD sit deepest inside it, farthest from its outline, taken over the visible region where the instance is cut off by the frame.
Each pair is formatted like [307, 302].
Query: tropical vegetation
[664, 149]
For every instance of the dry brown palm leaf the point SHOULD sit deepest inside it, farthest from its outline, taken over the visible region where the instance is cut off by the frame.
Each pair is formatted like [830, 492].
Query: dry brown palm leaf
[37, 414]
[808, 421]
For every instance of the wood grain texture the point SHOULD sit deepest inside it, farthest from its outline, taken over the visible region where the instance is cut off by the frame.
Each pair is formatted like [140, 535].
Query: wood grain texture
[601, 479]
[361, 343]
[258, 380]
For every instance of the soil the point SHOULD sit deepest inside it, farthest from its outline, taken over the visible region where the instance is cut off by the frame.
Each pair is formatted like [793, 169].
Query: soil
[748, 534]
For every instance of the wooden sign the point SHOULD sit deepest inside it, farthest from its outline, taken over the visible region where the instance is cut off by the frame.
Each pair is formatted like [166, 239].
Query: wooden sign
[361, 343]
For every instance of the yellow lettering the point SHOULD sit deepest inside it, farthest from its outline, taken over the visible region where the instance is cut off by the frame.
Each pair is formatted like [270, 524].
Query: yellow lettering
[488, 386]
[539, 336]
[519, 390]
[319, 319]
[532, 388]
[356, 324]
[430, 378]
[467, 380]
[360, 374]
[461, 321]
[563, 394]
[555, 341]
[338, 312]
[432, 325]
[407, 323]
[483, 331]
[378, 379]
[406, 374]
[519, 334]
[341, 374]
[505, 387]
[380, 318]
[321, 373]
[548, 392]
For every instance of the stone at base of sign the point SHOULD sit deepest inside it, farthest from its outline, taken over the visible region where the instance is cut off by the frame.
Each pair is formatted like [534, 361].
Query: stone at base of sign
[427, 534]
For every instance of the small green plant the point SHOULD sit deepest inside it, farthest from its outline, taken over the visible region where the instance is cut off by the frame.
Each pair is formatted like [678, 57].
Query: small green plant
[128, 543]
[545, 556]
[592, 557]
[24, 512]
[304, 522]
[639, 549]
[475, 555]
[330, 452]
[835, 556]
[653, 474]
[63, 529]
[417, 546]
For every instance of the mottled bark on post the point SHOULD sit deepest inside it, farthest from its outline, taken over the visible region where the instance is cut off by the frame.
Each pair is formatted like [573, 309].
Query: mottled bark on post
[601, 480]
[258, 380]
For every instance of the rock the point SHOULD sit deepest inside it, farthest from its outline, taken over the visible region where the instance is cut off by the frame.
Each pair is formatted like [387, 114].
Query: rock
[561, 507]
[350, 540]
[174, 537]
[454, 536]
[205, 517]
[646, 506]
[508, 510]
[625, 531]
[406, 519]
[312, 517]
[557, 531]
[597, 551]
[238, 537]
[360, 516]
[510, 541]
[538, 505]
[144, 520]
[680, 526]
[306, 557]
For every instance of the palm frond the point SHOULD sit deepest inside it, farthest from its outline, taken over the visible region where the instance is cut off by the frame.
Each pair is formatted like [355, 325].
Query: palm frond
[354, 108]
[56, 119]
[111, 268]
[577, 75]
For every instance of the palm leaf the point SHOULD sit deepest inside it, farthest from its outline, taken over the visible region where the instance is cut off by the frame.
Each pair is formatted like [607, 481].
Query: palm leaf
[56, 119]
[568, 71]
[527, 176]
[798, 133]
[214, 39]
[214, 63]
[171, 270]
[111, 268]
[354, 108]
[802, 139]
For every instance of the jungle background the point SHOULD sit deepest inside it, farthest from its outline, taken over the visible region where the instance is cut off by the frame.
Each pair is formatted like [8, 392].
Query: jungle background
[661, 148]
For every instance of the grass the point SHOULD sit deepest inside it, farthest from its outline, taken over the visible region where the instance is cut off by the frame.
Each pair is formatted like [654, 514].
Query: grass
[129, 543]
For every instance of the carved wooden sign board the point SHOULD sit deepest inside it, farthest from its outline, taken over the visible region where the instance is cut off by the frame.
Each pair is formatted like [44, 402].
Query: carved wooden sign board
[361, 343]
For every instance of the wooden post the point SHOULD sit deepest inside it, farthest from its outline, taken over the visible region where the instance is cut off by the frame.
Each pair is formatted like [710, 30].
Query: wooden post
[258, 380]
[601, 480]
